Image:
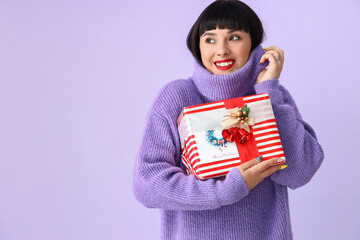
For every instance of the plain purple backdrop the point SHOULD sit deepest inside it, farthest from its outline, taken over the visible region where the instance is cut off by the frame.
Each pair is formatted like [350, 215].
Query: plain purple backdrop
[78, 77]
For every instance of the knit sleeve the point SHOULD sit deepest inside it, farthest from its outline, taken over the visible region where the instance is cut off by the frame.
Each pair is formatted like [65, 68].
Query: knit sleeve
[303, 153]
[160, 183]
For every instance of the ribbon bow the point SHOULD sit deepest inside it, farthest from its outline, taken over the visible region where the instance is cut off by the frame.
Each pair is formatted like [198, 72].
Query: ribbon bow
[221, 143]
[238, 118]
[236, 134]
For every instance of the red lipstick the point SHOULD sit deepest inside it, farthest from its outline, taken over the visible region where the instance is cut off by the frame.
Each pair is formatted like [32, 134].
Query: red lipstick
[224, 67]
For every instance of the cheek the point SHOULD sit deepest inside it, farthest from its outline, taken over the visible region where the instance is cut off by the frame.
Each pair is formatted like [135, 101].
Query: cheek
[203, 53]
[206, 59]
[244, 54]
[245, 50]
[206, 52]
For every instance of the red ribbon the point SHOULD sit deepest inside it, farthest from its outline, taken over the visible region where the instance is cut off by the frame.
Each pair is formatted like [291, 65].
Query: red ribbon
[248, 149]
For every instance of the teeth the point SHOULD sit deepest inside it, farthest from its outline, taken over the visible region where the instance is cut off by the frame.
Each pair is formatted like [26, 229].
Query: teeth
[224, 64]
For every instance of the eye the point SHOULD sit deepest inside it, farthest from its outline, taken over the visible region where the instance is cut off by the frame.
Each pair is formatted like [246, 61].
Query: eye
[234, 37]
[209, 40]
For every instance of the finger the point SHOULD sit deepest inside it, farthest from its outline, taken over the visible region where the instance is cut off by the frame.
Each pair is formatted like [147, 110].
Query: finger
[262, 166]
[276, 49]
[274, 62]
[270, 57]
[276, 54]
[250, 163]
[265, 57]
[280, 161]
[269, 171]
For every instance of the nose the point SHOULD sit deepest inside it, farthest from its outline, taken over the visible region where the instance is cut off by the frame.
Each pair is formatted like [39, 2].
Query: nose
[223, 49]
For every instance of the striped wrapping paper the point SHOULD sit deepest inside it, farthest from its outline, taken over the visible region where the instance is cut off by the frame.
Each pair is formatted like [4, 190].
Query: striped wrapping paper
[209, 159]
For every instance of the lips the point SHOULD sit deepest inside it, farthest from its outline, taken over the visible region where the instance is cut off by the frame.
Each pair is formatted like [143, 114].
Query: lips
[224, 64]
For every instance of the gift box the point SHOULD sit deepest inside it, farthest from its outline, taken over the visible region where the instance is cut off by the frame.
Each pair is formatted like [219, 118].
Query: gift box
[217, 136]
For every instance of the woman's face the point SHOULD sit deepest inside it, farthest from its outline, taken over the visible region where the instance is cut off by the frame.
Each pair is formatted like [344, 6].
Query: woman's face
[224, 51]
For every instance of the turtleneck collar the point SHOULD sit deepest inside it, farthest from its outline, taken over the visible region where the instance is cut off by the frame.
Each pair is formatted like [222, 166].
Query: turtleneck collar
[237, 84]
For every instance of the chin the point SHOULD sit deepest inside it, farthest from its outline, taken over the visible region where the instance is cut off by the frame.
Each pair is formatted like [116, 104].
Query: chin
[219, 72]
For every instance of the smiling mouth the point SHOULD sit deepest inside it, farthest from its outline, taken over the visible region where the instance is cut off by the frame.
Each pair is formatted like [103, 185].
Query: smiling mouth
[224, 64]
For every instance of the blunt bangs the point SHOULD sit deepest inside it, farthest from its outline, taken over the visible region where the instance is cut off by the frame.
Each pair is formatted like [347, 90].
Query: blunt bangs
[225, 14]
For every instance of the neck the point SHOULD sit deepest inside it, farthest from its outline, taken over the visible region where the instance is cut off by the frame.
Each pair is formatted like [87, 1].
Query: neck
[236, 84]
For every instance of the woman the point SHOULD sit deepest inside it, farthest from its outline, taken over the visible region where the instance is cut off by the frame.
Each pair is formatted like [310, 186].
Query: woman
[251, 202]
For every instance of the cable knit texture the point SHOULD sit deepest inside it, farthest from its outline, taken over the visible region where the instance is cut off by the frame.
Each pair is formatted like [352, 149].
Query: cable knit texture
[215, 209]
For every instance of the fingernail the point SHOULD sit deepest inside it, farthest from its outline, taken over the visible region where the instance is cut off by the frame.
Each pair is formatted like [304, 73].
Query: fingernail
[276, 161]
[280, 160]
[258, 159]
[284, 166]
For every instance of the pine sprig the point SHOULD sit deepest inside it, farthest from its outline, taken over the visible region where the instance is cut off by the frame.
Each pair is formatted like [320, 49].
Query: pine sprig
[247, 109]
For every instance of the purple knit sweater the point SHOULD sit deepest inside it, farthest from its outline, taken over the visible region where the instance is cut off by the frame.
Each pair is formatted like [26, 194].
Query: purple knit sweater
[214, 209]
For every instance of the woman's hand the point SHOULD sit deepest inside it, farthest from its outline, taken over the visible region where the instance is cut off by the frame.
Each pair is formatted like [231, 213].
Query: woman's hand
[276, 61]
[254, 172]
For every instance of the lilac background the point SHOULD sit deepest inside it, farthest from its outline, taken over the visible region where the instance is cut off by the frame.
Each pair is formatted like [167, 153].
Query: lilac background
[78, 77]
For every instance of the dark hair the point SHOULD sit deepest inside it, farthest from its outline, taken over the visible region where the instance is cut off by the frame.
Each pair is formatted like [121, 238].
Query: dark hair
[231, 14]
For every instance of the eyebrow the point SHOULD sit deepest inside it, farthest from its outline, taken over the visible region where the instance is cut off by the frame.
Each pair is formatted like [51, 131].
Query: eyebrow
[214, 34]
[234, 30]
[208, 34]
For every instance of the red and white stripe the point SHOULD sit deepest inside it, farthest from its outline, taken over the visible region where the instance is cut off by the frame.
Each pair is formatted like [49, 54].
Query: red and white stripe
[265, 133]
